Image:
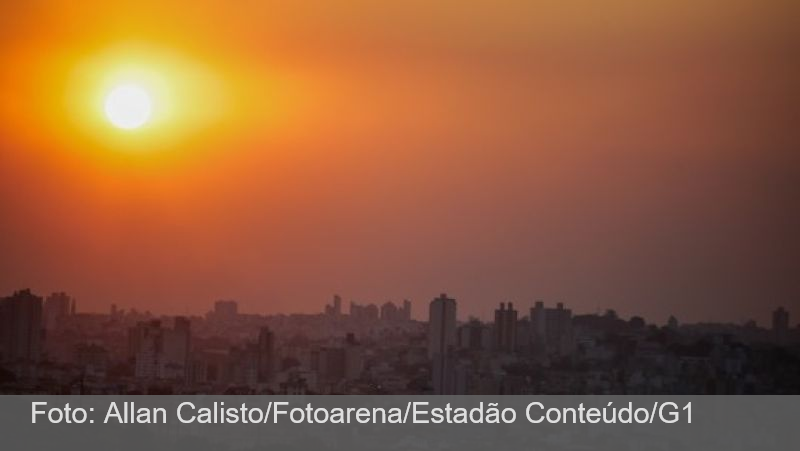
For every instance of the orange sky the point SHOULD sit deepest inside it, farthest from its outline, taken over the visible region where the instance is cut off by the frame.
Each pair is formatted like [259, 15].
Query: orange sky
[606, 154]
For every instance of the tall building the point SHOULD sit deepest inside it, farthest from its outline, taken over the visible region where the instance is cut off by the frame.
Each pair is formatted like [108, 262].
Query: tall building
[177, 342]
[441, 325]
[780, 324]
[475, 336]
[334, 309]
[339, 363]
[505, 328]
[21, 327]
[367, 312]
[441, 340]
[145, 345]
[57, 306]
[266, 354]
[160, 353]
[551, 329]
[390, 312]
[337, 305]
[406, 310]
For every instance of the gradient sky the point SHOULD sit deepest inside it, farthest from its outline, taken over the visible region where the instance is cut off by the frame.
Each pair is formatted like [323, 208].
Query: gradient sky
[603, 154]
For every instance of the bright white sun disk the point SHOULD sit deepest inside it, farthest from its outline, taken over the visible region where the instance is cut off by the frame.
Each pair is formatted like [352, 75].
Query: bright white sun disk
[128, 106]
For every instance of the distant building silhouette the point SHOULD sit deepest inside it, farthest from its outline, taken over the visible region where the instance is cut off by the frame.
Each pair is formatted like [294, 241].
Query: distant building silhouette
[365, 312]
[377, 350]
[339, 363]
[92, 359]
[441, 325]
[266, 354]
[390, 312]
[21, 327]
[145, 343]
[160, 353]
[57, 307]
[177, 348]
[475, 336]
[505, 328]
[441, 341]
[551, 329]
[334, 309]
[406, 310]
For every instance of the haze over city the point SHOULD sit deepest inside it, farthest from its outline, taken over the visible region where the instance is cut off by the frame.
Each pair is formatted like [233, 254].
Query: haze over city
[635, 157]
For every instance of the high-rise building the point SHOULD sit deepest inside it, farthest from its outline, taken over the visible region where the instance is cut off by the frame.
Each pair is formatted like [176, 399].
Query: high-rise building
[334, 309]
[340, 362]
[57, 306]
[160, 353]
[390, 312]
[367, 312]
[780, 324]
[21, 327]
[441, 325]
[523, 336]
[475, 336]
[441, 340]
[444, 374]
[406, 311]
[551, 329]
[145, 345]
[266, 354]
[174, 362]
[337, 305]
[505, 328]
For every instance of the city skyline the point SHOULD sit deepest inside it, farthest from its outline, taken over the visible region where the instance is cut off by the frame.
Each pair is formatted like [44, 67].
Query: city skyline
[63, 302]
[47, 346]
[474, 306]
[480, 307]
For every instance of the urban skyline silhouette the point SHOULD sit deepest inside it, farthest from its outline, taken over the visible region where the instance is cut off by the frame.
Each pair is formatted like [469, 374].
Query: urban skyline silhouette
[48, 346]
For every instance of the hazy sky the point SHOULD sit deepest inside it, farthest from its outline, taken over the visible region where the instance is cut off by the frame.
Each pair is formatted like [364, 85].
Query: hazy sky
[604, 154]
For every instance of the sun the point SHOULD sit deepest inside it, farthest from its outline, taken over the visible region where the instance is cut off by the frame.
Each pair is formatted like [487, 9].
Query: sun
[128, 106]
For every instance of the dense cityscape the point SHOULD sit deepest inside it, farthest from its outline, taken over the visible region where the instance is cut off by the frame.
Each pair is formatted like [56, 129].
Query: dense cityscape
[47, 346]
